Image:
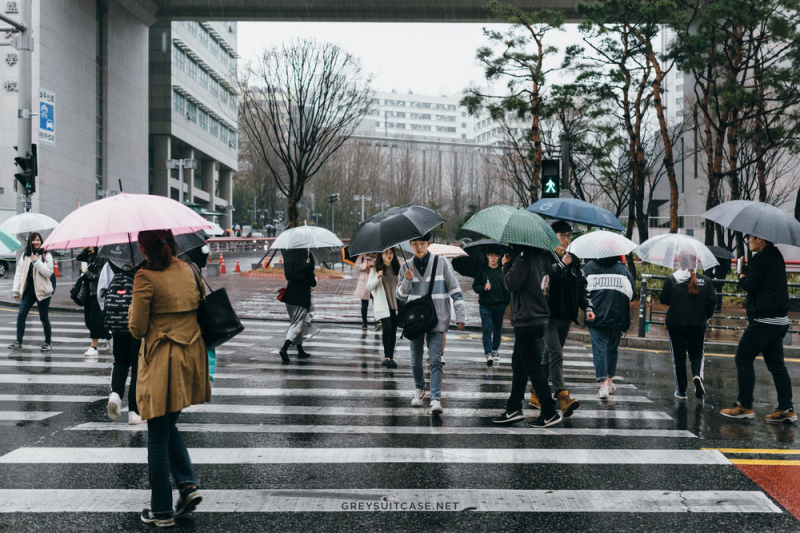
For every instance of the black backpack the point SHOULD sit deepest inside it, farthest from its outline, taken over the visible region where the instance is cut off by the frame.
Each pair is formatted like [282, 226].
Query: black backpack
[116, 301]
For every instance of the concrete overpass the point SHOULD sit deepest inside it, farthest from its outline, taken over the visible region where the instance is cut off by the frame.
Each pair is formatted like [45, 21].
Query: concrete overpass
[333, 10]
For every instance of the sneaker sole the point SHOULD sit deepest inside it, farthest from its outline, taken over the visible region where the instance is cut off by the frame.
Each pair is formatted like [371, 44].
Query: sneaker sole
[571, 409]
[745, 415]
[191, 504]
[437, 411]
[510, 420]
[699, 389]
[113, 412]
[782, 420]
[159, 523]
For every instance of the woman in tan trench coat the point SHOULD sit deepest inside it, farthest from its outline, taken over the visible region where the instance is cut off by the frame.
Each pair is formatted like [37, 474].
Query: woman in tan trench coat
[173, 369]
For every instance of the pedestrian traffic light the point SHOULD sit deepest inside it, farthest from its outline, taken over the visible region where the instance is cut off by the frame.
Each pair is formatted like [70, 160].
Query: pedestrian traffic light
[551, 181]
[28, 167]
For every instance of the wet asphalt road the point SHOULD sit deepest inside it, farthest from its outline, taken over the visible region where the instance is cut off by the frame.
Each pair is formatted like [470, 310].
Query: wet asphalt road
[332, 444]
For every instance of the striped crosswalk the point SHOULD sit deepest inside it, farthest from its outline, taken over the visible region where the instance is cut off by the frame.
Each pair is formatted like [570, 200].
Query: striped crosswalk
[333, 442]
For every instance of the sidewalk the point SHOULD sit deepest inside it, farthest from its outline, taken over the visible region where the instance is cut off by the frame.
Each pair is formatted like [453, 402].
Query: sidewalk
[255, 299]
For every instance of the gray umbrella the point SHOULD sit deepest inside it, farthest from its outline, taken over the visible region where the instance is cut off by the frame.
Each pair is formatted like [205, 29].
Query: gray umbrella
[757, 218]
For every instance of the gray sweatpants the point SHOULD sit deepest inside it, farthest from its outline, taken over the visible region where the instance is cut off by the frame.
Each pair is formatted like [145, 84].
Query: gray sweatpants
[555, 335]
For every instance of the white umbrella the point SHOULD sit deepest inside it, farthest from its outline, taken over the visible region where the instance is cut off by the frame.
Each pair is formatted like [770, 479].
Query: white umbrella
[665, 249]
[599, 244]
[307, 237]
[28, 222]
[215, 231]
[447, 250]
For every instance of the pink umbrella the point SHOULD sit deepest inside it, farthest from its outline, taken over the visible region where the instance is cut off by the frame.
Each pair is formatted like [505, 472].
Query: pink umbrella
[120, 218]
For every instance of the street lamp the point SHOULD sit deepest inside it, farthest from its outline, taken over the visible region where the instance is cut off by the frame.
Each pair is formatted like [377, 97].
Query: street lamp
[363, 198]
[383, 205]
[180, 164]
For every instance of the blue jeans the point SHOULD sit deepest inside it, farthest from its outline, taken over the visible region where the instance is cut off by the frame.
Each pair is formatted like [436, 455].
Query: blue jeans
[166, 453]
[435, 346]
[605, 351]
[25, 304]
[492, 323]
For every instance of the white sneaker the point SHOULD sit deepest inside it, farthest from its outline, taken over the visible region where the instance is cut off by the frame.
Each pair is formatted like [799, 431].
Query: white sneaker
[114, 406]
[495, 356]
[611, 388]
[91, 351]
[419, 395]
[436, 407]
[134, 418]
[603, 393]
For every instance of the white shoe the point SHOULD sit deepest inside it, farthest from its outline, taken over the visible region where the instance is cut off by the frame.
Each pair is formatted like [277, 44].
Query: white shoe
[603, 393]
[495, 356]
[436, 407]
[134, 418]
[611, 388]
[114, 406]
[419, 395]
[91, 351]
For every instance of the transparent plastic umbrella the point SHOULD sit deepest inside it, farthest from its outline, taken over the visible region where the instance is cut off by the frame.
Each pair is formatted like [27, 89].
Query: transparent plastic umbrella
[447, 250]
[665, 249]
[27, 222]
[599, 244]
[307, 237]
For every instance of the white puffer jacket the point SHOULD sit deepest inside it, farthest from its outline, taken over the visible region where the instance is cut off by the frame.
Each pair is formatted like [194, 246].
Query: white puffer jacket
[42, 270]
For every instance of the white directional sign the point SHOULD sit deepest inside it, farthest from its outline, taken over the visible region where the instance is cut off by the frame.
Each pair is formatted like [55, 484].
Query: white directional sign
[47, 117]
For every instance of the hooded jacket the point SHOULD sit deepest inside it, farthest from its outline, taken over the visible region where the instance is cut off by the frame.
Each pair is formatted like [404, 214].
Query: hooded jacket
[42, 272]
[611, 288]
[690, 310]
[526, 277]
[765, 284]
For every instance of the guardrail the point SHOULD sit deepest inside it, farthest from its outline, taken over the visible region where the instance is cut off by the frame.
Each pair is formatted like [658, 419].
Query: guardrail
[646, 318]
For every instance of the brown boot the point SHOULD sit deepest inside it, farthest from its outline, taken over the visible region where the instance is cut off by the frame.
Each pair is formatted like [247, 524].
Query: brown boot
[534, 401]
[568, 405]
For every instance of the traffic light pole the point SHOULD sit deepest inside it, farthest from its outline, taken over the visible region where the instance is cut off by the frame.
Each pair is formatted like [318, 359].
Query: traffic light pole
[23, 42]
[564, 169]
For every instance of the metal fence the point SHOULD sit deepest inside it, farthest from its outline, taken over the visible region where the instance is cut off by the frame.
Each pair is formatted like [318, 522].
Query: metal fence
[647, 295]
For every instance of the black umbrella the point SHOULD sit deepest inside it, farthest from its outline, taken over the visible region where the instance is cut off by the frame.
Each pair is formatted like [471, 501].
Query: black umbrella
[122, 252]
[469, 266]
[720, 253]
[391, 227]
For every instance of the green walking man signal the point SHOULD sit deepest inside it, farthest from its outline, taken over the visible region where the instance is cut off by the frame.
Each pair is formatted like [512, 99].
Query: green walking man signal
[551, 179]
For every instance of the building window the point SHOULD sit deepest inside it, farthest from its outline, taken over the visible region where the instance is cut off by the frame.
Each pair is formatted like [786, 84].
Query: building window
[400, 103]
[223, 95]
[214, 87]
[178, 103]
[203, 120]
[213, 128]
[232, 139]
[191, 68]
[191, 111]
[179, 57]
[203, 78]
[203, 36]
[401, 114]
[192, 27]
[232, 100]
[223, 134]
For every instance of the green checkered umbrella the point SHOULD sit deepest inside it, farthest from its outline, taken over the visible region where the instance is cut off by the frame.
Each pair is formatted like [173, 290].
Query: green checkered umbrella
[8, 243]
[513, 225]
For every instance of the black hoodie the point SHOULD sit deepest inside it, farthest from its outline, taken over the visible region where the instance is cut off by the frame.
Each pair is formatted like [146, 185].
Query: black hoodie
[765, 285]
[523, 277]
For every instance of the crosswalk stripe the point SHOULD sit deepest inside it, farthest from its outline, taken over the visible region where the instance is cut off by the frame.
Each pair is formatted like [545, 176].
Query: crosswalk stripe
[48, 455]
[394, 430]
[18, 416]
[450, 412]
[54, 398]
[89, 365]
[54, 380]
[399, 500]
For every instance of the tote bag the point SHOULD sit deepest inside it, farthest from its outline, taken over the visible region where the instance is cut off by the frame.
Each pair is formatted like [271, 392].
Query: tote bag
[218, 321]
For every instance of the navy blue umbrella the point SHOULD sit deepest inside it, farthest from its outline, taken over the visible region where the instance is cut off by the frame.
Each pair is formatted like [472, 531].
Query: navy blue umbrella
[578, 211]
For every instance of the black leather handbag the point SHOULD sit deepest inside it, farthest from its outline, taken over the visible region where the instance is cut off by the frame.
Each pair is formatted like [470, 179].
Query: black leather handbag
[418, 317]
[218, 321]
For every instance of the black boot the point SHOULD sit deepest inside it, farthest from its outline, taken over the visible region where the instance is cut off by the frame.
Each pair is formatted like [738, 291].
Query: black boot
[301, 353]
[283, 351]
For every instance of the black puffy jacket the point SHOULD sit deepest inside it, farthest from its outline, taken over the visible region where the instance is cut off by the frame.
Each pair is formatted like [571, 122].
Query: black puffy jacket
[765, 285]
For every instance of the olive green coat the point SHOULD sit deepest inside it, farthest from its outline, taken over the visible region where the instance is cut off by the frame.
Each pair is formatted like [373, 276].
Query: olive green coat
[173, 361]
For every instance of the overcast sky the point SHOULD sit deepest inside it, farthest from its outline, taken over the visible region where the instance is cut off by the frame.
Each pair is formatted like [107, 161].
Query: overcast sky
[424, 58]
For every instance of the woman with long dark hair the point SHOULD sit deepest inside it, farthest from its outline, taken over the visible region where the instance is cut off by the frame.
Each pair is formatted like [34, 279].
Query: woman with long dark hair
[173, 369]
[691, 299]
[382, 284]
[298, 268]
[33, 285]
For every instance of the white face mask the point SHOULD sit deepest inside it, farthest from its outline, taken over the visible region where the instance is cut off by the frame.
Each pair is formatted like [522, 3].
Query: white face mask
[205, 249]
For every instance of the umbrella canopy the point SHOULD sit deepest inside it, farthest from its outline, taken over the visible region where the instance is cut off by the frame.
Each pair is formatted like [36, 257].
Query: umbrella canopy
[757, 218]
[307, 237]
[513, 225]
[476, 256]
[721, 253]
[8, 243]
[393, 226]
[599, 244]
[574, 210]
[446, 250]
[665, 250]
[28, 222]
[122, 252]
[215, 230]
[120, 218]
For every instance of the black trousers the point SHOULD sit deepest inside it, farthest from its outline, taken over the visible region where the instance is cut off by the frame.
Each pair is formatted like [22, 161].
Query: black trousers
[767, 340]
[389, 334]
[126, 356]
[526, 363]
[683, 339]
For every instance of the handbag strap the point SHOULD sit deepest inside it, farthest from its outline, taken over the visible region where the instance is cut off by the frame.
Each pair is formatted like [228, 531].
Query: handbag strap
[197, 280]
[433, 274]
